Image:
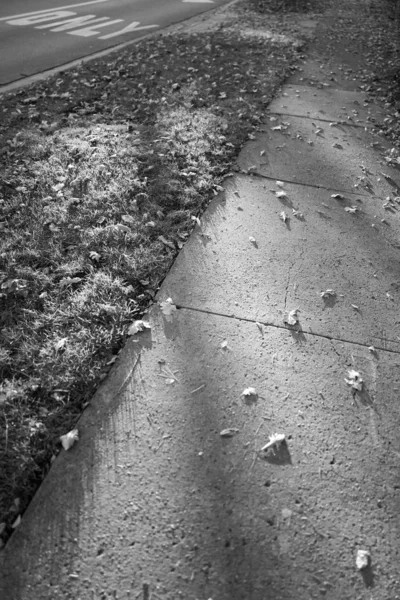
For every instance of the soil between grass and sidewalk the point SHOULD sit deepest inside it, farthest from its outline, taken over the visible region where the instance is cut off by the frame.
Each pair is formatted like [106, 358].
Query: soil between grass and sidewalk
[106, 169]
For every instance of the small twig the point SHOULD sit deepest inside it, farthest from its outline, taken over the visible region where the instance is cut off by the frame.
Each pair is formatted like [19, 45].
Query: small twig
[198, 389]
[127, 378]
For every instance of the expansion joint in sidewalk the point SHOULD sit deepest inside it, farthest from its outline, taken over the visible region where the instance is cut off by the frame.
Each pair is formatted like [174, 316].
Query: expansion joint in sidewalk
[301, 183]
[293, 330]
[314, 118]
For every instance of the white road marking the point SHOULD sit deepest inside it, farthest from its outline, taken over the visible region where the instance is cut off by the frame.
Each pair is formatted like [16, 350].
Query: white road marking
[89, 31]
[45, 10]
[73, 23]
[56, 14]
[131, 27]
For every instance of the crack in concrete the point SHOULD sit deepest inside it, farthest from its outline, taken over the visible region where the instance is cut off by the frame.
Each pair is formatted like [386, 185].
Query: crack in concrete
[325, 336]
[287, 284]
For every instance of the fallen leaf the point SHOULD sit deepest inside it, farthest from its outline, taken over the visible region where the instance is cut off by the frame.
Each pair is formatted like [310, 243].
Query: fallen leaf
[16, 522]
[274, 441]
[362, 559]
[354, 380]
[279, 183]
[166, 242]
[170, 381]
[250, 391]
[230, 432]
[292, 317]
[351, 209]
[337, 196]
[138, 326]
[297, 213]
[281, 194]
[328, 294]
[355, 306]
[69, 439]
[262, 152]
[283, 216]
[167, 307]
[196, 219]
[224, 344]
[252, 240]
[338, 146]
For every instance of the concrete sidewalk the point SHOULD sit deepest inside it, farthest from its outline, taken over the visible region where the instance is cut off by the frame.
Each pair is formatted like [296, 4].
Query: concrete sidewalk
[153, 502]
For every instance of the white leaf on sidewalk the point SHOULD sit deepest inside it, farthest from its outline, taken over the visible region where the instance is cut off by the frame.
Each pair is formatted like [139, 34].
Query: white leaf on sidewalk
[138, 326]
[351, 209]
[230, 432]
[354, 380]
[283, 216]
[250, 391]
[167, 307]
[274, 441]
[292, 317]
[281, 194]
[328, 294]
[69, 439]
[362, 559]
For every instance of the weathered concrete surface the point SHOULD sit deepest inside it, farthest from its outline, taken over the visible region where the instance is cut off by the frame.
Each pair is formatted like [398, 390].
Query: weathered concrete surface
[152, 493]
[290, 264]
[332, 105]
[152, 502]
[313, 153]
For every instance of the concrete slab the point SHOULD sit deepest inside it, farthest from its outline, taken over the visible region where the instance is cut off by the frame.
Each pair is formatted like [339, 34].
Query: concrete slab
[290, 264]
[302, 151]
[327, 104]
[153, 503]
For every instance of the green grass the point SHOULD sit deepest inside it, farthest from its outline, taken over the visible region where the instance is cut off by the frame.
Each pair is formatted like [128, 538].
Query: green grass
[101, 166]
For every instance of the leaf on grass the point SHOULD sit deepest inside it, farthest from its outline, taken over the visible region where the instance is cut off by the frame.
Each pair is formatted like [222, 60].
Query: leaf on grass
[274, 441]
[250, 391]
[354, 380]
[167, 307]
[328, 294]
[196, 219]
[230, 432]
[61, 343]
[94, 256]
[283, 216]
[128, 219]
[16, 522]
[351, 209]
[138, 326]
[281, 194]
[69, 439]
[292, 317]
[123, 228]
[166, 242]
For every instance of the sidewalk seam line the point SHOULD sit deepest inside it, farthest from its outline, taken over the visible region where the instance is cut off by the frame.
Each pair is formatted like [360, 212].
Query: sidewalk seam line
[342, 123]
[283, 327]
[312, 185]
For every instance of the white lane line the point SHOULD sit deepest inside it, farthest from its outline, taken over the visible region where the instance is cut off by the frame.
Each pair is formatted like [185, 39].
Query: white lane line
[45, 10]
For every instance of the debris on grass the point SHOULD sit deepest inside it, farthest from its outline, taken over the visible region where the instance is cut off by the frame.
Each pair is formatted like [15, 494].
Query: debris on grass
[69, 439]
[354, 380]
[363, 559]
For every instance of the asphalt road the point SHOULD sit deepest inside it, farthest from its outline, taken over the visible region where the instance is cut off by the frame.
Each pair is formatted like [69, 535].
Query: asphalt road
[36, 35]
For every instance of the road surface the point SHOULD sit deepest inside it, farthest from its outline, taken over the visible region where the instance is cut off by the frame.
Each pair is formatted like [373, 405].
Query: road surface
[36, 35]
